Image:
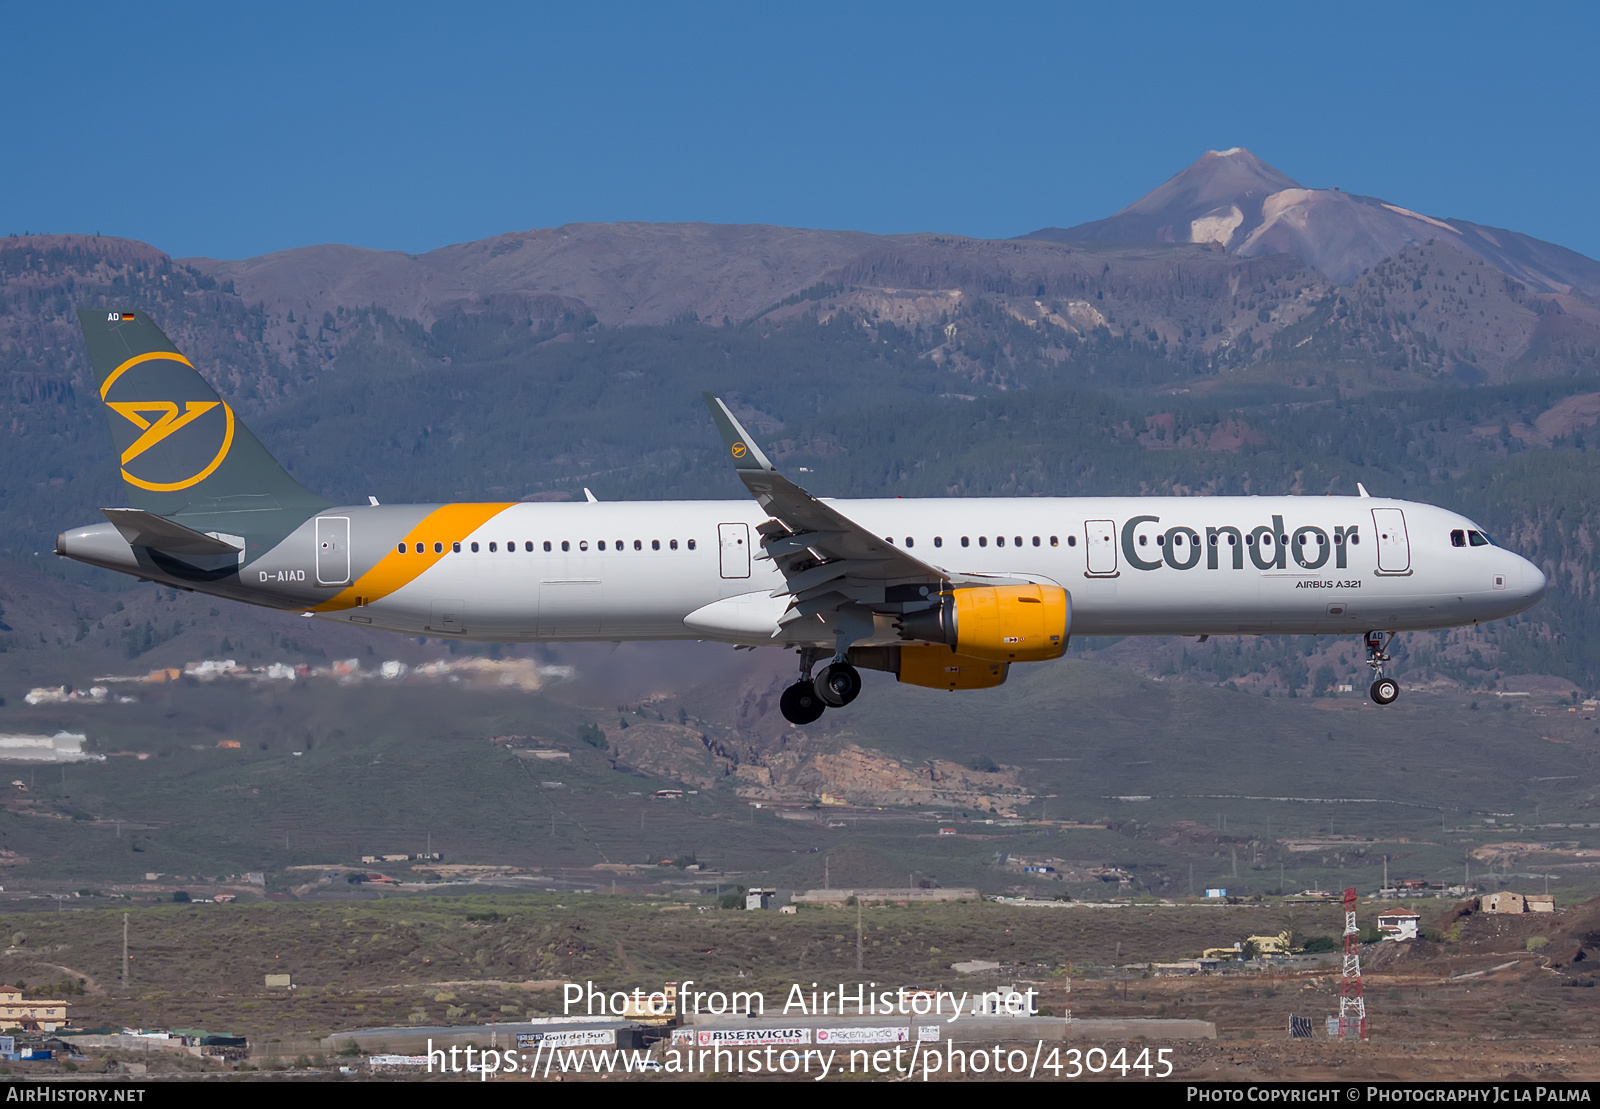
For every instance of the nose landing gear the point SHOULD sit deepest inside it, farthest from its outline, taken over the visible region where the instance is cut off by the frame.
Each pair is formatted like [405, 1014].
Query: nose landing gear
[1384, 690]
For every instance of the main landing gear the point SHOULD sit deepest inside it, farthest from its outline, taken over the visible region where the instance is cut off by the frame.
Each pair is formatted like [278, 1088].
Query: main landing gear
[836, 685]
[1384, 690]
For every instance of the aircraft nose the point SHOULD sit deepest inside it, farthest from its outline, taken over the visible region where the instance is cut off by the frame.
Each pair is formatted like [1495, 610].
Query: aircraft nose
[1533, 581]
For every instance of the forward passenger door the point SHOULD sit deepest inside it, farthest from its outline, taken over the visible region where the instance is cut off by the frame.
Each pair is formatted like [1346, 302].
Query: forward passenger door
[1394, 547]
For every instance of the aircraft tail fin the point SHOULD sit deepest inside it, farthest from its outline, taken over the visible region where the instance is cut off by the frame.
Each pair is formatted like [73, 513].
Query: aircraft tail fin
[182, 450]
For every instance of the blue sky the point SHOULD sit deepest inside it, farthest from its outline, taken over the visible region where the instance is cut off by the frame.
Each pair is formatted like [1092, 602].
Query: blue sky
[235, 130]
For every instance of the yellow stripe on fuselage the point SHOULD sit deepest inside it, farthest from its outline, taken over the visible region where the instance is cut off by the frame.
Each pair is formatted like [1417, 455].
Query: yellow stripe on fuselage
[448, 524]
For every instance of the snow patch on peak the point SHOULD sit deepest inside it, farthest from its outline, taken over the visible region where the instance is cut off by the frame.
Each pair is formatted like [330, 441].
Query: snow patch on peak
[1217, 226]
[1425, 219]
[1280, 204]
[1228, 153]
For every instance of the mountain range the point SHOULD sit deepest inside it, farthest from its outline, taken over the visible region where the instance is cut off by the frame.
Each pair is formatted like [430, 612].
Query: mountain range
[1228, 264]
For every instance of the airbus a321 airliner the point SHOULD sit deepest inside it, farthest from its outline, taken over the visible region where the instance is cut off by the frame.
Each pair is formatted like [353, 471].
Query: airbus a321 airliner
[941, 593]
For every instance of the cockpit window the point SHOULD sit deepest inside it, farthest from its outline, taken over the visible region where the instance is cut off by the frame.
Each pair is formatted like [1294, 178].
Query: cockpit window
[1458, 538]
[1478, 539]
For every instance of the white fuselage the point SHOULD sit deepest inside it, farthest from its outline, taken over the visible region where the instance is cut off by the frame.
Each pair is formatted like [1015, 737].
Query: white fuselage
[684, 570]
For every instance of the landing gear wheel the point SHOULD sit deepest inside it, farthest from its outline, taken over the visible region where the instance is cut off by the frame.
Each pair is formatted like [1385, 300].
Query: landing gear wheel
[838, 684]
[800, 704]
[1384, 690]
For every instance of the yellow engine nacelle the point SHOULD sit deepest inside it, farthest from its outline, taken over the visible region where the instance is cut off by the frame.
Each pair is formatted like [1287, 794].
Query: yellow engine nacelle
[937, 667]
[931, 666]
[1003, 623]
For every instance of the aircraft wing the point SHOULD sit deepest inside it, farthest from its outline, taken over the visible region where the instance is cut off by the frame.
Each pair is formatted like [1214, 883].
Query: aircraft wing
[826, 558]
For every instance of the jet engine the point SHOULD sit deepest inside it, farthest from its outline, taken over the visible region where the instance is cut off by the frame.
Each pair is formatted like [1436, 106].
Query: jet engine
[1002, 623]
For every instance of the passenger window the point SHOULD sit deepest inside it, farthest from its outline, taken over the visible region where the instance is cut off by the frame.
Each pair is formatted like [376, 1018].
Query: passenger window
[938, 540]
[618, 545]
[438, 548]
[999, 541]
[547, 544]
[528, 546]
[474, 548]
[401, 548]
[983, 540]
[583, 544]
[691, 544]
[889, 539]
[1072, 540]
[455, 547]
[419, 548]
[655, 544]
[1355, 538]
[1476, 539]
[601, 545]
[910, 542]
[1143, 540]
[1018, 541]
[638, 546]
[1458, 538]
[493, 548]
[1035, 540]
[964, 541]
[566, 545]
[673, 544]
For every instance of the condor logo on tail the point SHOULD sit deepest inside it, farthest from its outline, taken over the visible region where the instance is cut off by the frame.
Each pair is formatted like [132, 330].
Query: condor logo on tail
[175, 442]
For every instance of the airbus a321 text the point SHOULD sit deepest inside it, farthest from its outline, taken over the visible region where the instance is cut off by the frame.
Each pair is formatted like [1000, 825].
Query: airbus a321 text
[941, 593]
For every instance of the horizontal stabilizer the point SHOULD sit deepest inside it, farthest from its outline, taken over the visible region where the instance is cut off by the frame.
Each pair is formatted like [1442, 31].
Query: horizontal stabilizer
[146, 529]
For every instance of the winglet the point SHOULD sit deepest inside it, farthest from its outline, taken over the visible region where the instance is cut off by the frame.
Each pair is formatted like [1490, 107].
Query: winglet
[746, 455]
[1362, 490]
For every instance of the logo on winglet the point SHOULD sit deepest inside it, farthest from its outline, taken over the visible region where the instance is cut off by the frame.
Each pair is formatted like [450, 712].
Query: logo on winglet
[740, 450]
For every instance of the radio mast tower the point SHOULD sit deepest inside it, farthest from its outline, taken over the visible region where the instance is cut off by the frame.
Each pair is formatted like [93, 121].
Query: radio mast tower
[1352, 1004]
